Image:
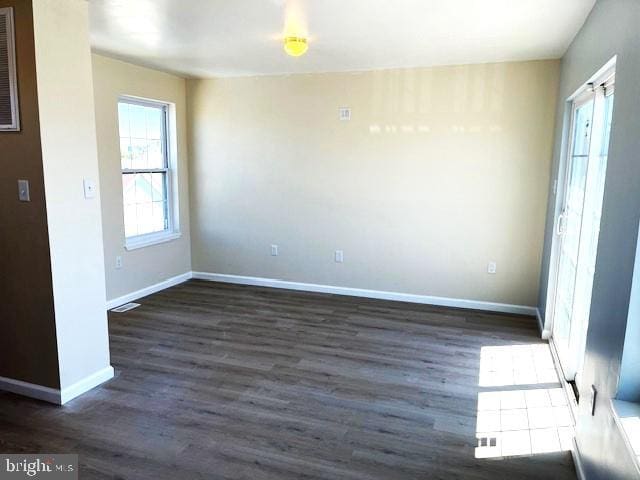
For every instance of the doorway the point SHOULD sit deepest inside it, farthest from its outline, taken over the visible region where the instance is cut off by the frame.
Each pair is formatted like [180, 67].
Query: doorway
[578, 225]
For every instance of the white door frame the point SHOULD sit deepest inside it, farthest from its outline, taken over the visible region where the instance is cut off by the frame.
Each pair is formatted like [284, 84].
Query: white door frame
[578, 98]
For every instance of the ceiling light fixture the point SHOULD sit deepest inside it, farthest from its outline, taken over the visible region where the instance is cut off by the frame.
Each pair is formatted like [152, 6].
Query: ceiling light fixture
[295, 46]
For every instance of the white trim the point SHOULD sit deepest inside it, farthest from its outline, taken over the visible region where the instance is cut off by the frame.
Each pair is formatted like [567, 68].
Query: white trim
[577, 461]
[572, 401]
[544, 334]
[359, 292]
[130, 297]
[86, 384]
[141, 241]
[559, 193]
[48, 394]
[55, 395]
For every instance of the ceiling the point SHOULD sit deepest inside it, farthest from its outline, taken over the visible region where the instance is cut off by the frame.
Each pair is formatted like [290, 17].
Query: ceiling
[206, 38]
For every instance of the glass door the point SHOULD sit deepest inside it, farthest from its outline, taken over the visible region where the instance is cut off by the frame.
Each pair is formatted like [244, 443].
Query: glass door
[592, 211]
[569, 226]
[579, 224]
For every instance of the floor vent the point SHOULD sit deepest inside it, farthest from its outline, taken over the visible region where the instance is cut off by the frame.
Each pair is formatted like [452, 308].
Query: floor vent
[126, 307]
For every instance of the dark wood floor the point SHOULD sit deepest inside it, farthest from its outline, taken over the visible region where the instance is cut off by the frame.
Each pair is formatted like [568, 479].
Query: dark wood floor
[220, 381]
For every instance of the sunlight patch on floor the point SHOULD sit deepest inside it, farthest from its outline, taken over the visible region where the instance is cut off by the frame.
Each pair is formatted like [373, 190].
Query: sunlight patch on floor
[516, 365]
[529, 419]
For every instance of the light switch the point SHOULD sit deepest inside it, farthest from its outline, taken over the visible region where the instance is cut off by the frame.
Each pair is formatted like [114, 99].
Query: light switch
[23, 191]
[339, 256]
[89, 188]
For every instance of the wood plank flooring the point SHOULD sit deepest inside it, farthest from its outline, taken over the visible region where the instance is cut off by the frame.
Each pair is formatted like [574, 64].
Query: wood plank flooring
[220, 381]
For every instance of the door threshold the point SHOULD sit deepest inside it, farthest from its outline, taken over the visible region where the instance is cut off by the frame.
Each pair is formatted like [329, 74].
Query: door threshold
[570, 388]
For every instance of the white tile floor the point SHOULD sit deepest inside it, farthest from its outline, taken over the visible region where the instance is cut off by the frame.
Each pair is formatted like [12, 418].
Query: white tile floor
[532, 419]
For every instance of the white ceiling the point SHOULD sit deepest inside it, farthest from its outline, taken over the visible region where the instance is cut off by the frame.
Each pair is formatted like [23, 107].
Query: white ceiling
[204, 38]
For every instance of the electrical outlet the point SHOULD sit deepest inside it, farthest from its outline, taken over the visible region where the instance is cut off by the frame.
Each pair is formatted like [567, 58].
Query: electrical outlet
[274, 250]
[89, 188]
[339, 256]
[118, 262]
[492, 267]
[345, 114]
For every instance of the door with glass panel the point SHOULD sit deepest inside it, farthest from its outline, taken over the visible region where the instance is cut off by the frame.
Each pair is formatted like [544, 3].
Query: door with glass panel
[578, 226]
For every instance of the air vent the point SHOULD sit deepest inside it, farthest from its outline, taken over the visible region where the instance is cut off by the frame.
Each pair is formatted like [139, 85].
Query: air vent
[126, 307]
[8, 80]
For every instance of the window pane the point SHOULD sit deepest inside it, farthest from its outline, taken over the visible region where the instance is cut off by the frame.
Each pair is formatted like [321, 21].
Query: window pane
[145, 218]
[125, 152]
[155, 117]
[159, 193]
[138, 121]
[129, 189]
[155, 154]
[145, 202]
[143, 188]
[139, 149]
[583, 118]
[158, 216]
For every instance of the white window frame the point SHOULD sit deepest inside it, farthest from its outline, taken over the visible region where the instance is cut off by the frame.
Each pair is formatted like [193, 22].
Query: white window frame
[14, 126]
[172, 231]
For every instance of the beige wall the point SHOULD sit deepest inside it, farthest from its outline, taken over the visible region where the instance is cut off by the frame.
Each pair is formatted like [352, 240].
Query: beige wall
[69, 155]
[439, 171]
[149, 265]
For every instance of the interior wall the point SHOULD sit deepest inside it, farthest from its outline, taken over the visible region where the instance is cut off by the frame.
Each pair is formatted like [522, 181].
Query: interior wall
[28, 350]
[611, 29]
[149, 265]
[69, 155]
[629, 385]
[440, 171]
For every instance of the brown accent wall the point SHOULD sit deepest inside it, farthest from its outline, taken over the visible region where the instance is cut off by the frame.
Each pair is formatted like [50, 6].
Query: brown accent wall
[28, 350]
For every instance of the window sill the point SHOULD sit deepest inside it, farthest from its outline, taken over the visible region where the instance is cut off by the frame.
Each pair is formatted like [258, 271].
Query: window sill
[627, 417]
[142, 241]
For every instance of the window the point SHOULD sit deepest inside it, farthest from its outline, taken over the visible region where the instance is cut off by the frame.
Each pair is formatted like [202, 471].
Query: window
[146, 172]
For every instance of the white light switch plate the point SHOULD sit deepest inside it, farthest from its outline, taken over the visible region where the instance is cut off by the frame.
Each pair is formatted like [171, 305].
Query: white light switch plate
[89, 188]
[339, 256]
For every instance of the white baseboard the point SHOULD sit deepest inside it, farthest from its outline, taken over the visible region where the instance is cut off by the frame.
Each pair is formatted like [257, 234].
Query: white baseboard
[86, 384]
[378, 294]
[48, 394]
[544, 333]
[577, 461]
[130, 297]
[55, 395]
